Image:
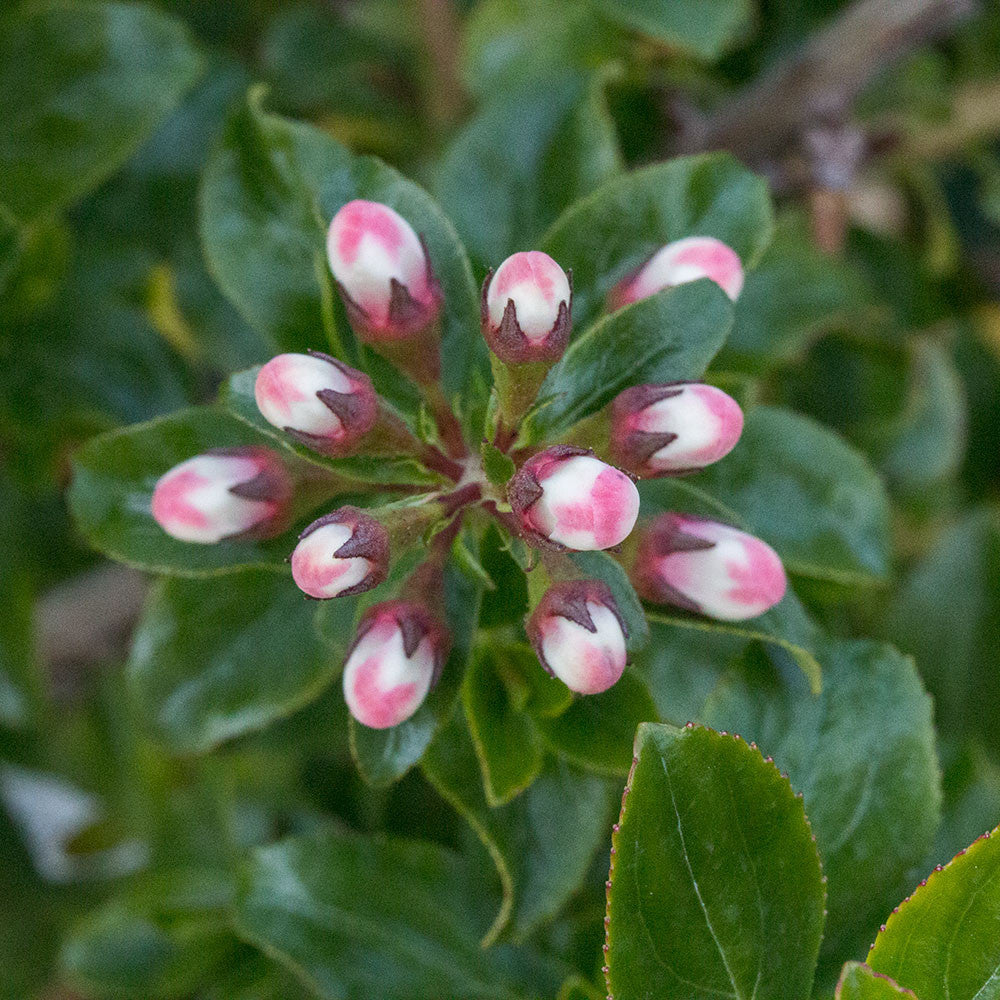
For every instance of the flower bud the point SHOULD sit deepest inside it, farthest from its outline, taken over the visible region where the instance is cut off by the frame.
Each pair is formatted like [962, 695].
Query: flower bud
[396, 657]
[707, 567]
[223, 493]
[526, 309]
[579, 636]
[341, 554]
[321, 402]
[383, 272]
[679, 262]
[565, 498]
[657, 430]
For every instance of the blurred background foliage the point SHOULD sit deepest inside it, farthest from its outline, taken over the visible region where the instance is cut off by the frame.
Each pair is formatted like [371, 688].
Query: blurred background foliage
[876, 310]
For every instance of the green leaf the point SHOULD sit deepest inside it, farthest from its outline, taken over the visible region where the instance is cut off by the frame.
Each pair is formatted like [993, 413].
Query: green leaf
[715, 886]
[238, 397]
[215, 660]
[859, 982]
[525, 157]
[498, 465]
[597, 731]
[704, 28]
[542, 843]
[608, 570]
[89, 83]
[941, 943]
[355, 918]
[947, 614]
[33, 261]
[799, 487]
[624, 222]
[862, 754]
[268, 196]
[113, 480]
[667, 337]
[385, 755]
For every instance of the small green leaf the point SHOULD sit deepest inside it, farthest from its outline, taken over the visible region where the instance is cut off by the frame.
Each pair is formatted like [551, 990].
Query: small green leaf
[212, 661]
[625, 221]
[113, 481]
[91, 82]
[596, 732]
[715, 886]
[942, 943]
[357, 917]
[667, 337]
[859, 982]
[608, 570]
[498, 466]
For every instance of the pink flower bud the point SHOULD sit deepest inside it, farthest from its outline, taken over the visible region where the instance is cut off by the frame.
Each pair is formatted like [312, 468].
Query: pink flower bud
[343, 553]
[383, 272]
[321, 402]
[679, 262]
[526, 308]
[565, 498]
[396, 657]
[661, 429]
[579, 635]
[223, 493]
[707, 567]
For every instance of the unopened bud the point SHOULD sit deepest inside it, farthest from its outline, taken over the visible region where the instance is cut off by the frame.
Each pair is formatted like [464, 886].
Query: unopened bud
[223, 493]
[565, 498]
[383, 272]
[396, 657]
[341, 554]
[658, 430]
[526, 309]
[679, 262]
[708, 568]
[318, 400]
[579, 636]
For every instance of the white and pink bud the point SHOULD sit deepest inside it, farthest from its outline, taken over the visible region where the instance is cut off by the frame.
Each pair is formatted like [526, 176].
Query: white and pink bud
[525, 308]
[678, 263]
[565, 498]
[659, 430]
[395, 659]
[321, 402]
[341, 554]
[224, 493]
[708, 568]
[579, 635]
[383, 272]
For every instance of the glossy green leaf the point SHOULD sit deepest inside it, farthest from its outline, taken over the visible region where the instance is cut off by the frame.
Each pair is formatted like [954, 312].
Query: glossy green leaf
[859, 982]
[88, 84]
[608, 570]
[113, 481]
[268, 197]
[527, 155]
[625, 221]
[715, 885]
[215, 660]
[668, 337]
[705, 28]
[941, 943]
[355, 917]
[542, 842]
[799, 487]
[385, 755]
[863, 756]
[597, 731]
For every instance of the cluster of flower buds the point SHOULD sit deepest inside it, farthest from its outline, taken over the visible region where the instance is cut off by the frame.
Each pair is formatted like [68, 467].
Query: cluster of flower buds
[224, 493]
[660, 430]
[677, 263]
[562, 498]
[566, 498]
[707, 568]
[398, 652]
